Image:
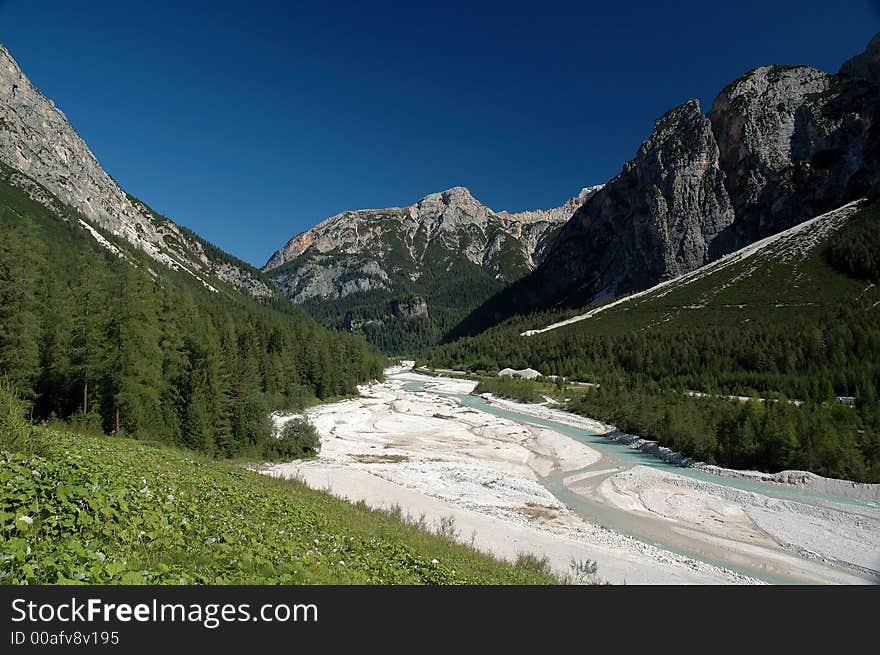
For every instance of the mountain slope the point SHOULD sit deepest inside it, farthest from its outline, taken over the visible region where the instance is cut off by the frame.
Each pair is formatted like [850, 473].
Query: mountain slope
[116, 511]
[37, 140]
[95, 329]
[779, 145]
[820, 274]
[735, 289]
[441, 257]
[793, 316]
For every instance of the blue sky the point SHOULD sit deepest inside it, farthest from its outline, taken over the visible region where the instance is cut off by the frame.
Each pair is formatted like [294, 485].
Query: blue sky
[250, 122]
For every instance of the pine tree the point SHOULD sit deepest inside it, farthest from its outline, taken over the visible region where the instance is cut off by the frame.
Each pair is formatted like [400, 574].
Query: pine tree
[20, 257]
[88, 317]
[135, 357]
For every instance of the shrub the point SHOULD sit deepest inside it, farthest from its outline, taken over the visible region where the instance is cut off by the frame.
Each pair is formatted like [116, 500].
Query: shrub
[298, 440]
[534, 564]
[583, 572]
[446, 528]
[525, 391]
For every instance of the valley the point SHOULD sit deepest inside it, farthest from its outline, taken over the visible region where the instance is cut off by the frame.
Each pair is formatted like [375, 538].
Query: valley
[700, 337]
[520, 478]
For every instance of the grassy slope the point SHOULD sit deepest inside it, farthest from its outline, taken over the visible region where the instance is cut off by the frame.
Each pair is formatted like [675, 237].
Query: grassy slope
[112, 510]
[790, 282]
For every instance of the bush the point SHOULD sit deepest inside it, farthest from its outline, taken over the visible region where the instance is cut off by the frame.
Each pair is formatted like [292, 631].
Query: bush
[534, 564]
[583, 572]
[16, 432]
[298, 440]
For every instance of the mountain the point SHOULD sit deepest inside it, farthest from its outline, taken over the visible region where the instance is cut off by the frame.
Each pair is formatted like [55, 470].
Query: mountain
[793, 316]
[807, 282]
[116, 319]
[37, 140]
[441, 257]
[779, 145]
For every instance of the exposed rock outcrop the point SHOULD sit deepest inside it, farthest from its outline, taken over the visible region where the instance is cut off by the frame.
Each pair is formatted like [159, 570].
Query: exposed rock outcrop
[792, 143]
[412, 308]
[333, 278]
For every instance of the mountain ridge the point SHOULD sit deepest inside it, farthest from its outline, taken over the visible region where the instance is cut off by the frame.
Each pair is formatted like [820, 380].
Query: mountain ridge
[38, 140]
[442, 255]
[427, 210]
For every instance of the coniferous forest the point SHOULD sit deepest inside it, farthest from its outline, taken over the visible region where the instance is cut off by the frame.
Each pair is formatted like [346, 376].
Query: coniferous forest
[124, 346]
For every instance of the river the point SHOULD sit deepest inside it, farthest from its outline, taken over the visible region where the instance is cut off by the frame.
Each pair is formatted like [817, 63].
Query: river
[585, 499]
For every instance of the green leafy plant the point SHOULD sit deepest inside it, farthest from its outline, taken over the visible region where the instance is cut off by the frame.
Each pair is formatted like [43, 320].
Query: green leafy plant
[112, 510]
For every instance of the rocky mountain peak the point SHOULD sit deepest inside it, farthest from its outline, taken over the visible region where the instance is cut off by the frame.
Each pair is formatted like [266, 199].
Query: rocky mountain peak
[671, 120]
[450, 208]
[657, 218]
[865, 65]
[444, 215]
[791, 140]
[757, 113]
[456, 195]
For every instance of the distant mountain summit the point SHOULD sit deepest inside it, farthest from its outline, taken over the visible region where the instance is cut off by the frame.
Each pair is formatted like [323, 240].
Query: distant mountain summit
[448, 250]
[449, 216]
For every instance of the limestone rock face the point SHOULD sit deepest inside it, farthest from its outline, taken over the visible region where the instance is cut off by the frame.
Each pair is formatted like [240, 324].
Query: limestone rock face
[794, 143]
[37, 140]
[663, 215]
[756, 123]
[416, 242]
[334, 279]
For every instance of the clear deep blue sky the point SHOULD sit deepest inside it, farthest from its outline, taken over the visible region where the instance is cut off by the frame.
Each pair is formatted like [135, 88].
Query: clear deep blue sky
[251, 121]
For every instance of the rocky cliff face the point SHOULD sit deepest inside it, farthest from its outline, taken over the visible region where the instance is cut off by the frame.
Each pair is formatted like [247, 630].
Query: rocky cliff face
[792, 143]
[412, 308]
[321, 277]
[37, 140]
[866, 65]
[780, 145]
[359, 251]
[661, 216]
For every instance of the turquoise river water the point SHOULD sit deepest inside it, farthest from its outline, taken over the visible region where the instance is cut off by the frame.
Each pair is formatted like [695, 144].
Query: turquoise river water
[617, 457]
